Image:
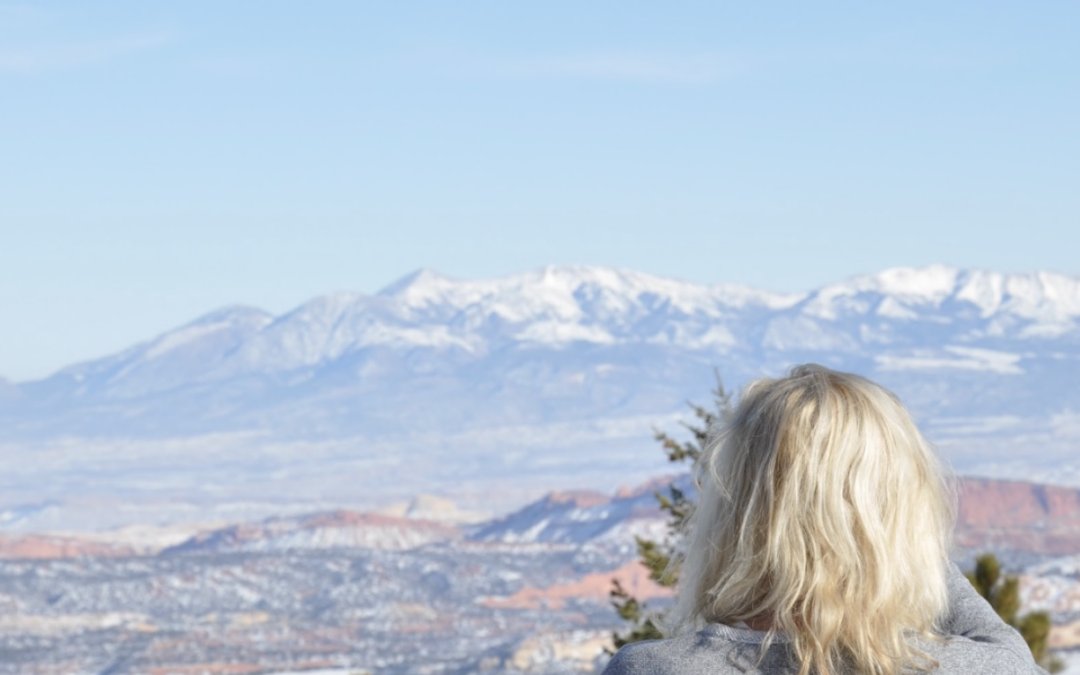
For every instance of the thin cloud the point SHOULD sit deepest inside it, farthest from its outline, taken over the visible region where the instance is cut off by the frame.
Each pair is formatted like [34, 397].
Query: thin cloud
[50, 58]
[613, 66]
[674, 70]
[245, 66]
[704, 69]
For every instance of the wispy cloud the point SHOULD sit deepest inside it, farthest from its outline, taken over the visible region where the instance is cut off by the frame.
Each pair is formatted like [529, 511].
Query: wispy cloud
[628, 66]
[57, 57]
[707, 68]
[673, 68]
[246, 66]
[633, 67]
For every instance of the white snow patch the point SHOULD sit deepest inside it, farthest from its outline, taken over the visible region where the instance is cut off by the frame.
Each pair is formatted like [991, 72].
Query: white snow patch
[1042, 297]
[984, 290]
[909, 286]
[530, 535]
[185, 336]
[925, 285]
[802, 332]
[429, 336]
[552, 332]
[716, 336]
[891, 308]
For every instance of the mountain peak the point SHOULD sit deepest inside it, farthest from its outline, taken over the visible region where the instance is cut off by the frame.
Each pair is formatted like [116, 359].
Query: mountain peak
[422, 278]
[903, 291]
[931, 283]
[234, 314]
[559, 306]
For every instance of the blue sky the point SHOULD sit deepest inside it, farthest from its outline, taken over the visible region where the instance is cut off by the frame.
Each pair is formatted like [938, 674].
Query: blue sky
[164, 159]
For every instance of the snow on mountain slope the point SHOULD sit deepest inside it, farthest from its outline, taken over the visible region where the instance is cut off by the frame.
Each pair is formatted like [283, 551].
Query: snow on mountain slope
[567, 326]
[579, 516]
[538, 376]
[918, 307]
[551, 307]
[1041, 296]
[558, 307]
[175, 358]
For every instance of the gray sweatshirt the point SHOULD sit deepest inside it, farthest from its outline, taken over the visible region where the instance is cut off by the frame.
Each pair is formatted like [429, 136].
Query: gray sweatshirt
[979, 643]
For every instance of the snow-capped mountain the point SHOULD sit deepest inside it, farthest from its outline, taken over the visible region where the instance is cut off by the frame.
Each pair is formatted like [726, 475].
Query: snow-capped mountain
[935, 319]
[531, 379]
[551, 308]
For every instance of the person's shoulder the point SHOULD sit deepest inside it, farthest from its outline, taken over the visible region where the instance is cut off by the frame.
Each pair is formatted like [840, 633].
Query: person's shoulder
[637, 657]
[958, 654]
[685, 655]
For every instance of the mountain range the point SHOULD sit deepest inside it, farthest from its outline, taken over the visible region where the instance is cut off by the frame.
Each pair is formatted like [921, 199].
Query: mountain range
[494, 390]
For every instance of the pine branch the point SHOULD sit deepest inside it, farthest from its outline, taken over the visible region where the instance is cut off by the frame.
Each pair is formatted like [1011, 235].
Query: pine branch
[657, 556]
[1003, 594]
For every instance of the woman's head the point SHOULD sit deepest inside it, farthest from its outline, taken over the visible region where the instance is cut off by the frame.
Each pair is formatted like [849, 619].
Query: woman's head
[823, 511]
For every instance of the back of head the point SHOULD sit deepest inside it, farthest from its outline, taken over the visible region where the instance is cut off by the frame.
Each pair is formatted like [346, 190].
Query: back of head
[824, 513]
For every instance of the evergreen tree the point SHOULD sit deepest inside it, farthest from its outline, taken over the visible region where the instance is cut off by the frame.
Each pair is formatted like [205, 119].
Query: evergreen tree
[1003, 594]
[656, 556]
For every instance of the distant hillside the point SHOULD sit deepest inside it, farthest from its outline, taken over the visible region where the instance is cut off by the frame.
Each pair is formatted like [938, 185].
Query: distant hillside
[998, 515]
[497, 389]
[528, 592]
[339, 529]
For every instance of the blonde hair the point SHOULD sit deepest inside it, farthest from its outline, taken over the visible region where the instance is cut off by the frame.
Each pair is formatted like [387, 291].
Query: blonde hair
[823, 511]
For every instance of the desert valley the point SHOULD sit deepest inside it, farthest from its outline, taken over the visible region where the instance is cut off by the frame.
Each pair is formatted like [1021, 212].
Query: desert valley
[417, 591]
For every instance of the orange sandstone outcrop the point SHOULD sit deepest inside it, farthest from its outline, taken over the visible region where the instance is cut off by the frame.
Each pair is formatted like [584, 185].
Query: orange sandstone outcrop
[581, 499]
[633, 576]
[46, 547]
[1002, 514]
[985, 502]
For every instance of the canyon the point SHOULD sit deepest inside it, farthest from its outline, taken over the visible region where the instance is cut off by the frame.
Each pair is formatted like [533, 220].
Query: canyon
[346, 592]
